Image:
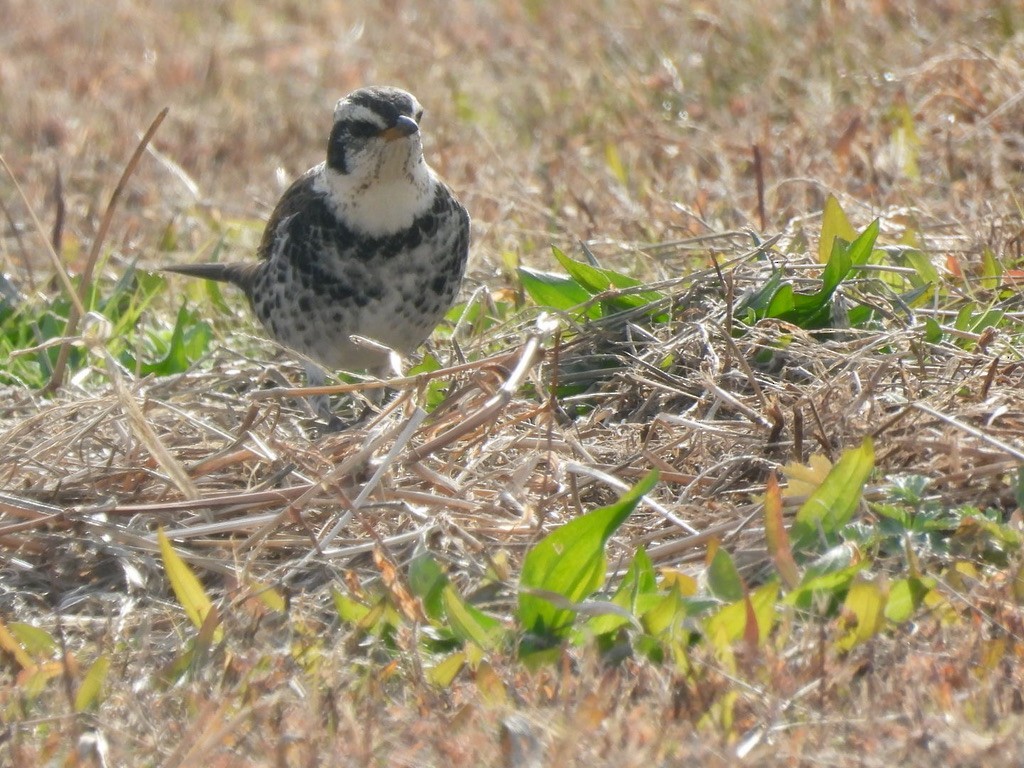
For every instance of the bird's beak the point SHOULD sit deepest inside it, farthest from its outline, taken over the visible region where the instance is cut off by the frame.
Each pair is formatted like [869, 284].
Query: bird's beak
[403, 127]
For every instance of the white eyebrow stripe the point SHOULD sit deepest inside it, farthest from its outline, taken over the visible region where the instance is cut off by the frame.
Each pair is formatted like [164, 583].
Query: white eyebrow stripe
[350, 112]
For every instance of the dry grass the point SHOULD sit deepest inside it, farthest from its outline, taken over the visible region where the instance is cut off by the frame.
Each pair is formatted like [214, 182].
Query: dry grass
[630, 126]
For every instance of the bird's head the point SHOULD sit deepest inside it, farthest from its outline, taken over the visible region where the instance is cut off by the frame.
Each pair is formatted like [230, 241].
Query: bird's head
[376, 136]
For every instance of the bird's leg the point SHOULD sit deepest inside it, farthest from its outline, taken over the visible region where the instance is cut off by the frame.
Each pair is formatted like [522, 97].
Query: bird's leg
[321, 404]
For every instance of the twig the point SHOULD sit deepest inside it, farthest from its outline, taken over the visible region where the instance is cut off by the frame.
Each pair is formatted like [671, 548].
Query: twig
[78, 311]
[531, 353]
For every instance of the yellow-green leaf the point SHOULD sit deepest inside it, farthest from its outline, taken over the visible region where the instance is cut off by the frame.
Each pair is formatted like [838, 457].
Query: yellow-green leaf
[270, 597]
[88, 695]
[991, 269]
[492, 689]
[33, 640]
[863, 613]
[905, 596]
[10, 644]
[614, 160]
[349, 611]
[724, 580]
[833, 224]
[833, 503]
[187, 588]
[469, 622]
[444, 672]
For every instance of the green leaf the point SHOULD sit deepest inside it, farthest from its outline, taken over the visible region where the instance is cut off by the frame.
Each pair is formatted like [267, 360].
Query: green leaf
[833, 503]
[598, 280]
[923, 266]
[932, 331]
[724, 580]
[469, 623]
[862, 613]
[427, 581]
[827, 577]
[666, 616]
[729, 623]
[834, 224]
[614, 161]
[33, 640]
[860, 250]
[571, 563]
[445, 671]
[905, 597]
[991, 270]
[187, 588]
[556, 291]
[189, 340]
[88, 696]
[759, 301]
[349, 611]
[637, 593]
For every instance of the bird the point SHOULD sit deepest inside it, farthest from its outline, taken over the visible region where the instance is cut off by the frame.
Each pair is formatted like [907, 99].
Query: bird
[370, 243]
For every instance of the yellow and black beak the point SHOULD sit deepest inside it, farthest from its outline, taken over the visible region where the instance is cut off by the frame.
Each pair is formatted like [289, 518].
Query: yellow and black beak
[404, 126]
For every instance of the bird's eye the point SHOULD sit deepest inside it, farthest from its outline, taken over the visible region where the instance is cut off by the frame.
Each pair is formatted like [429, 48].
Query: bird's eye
[363, 129]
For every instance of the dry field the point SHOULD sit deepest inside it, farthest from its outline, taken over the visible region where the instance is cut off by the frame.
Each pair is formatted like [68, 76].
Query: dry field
[690, 145]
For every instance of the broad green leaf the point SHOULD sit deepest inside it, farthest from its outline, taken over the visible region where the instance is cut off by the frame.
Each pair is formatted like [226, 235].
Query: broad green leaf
[923, 266]
[730, 623]
[837, 269]
[556, 291]
[36, 641]
[991, 270]
[270, 597]
[833, 503]
[88, 696]
[905, 597]
[445, 671]
[349, 611]
[667, 615]
[783, 303]
[863, 613]
[724, 580]
[860, 249]
[490, 685]
[833, 224]
[470, 623]
[186, 586]
[189, 340]
[826, 579]
[598, 280]
[964, 317]
[427, 581]
[571, 562]
[10, 644]
[637, 593]
[761, 298]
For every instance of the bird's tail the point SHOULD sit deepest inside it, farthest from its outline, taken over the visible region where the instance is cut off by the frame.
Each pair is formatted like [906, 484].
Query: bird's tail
[241, 275]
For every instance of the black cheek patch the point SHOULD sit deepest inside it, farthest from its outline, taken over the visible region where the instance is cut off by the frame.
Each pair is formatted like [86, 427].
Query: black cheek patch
[336, 159]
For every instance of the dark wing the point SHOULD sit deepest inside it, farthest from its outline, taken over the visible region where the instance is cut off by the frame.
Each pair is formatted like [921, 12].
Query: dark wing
[298, 201]
[299, 196]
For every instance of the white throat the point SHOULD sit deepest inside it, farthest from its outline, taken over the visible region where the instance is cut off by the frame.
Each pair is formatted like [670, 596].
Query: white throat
[380, 204]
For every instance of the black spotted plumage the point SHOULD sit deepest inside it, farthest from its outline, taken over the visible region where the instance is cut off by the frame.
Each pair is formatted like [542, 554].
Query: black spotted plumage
[370, 243]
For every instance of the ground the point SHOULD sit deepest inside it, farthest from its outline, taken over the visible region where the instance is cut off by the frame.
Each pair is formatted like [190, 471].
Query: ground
[702, 149]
